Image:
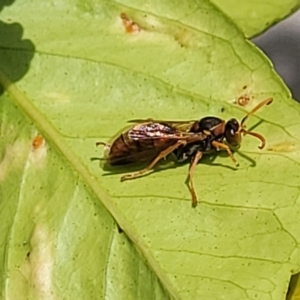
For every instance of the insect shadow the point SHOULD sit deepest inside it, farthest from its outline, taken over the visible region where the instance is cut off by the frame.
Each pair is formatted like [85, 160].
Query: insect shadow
[256, 125]
[119, 169]
[169, 163]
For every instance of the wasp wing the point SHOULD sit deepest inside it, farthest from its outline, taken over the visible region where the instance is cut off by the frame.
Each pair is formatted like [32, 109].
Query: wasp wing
[145, 141]
[179, 125]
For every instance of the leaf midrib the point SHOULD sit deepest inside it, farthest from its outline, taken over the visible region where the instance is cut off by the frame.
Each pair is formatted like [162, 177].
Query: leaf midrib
[57, 142]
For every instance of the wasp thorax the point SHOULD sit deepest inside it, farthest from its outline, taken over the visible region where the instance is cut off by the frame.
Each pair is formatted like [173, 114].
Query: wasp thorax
[232, 133]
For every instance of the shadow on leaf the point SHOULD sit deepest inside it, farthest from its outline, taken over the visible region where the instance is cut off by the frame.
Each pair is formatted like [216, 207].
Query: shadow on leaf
[169, 163]
[15, 53]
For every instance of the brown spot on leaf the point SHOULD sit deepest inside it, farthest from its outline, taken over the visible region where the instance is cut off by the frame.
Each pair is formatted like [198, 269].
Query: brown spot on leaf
[130, 25]
[243, 100]
[284, 147]
[37, 142]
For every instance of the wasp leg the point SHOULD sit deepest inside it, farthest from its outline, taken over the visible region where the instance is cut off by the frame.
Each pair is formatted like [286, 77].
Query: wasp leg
[161, 155]
[106, 146]
[190, 181]
[219, 146]
[103, 144]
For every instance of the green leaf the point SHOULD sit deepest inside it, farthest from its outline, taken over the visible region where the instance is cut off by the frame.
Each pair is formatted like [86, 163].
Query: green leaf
[254, 17]
[88, 76]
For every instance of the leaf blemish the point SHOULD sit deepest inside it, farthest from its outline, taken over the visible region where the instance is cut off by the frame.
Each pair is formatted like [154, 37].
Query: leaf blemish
[284, 147]
[41, 260]
[243, 100]
[13, 156]
[130, 25]
[38, 151]
[57, 98]
[37, 142]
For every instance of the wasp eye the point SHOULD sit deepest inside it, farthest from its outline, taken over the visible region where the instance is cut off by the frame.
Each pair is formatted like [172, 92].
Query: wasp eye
[232, 132]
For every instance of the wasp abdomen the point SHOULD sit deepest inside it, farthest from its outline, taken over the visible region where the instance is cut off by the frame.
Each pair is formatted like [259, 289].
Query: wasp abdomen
[141, 143]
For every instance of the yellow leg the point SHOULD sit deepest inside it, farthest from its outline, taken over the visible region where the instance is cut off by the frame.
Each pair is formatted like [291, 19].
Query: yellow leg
[219, 145]
[190, 178]
[161, 155]
[102, 144]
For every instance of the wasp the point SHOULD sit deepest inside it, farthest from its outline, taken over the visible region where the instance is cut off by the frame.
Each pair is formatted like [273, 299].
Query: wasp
[152, 140]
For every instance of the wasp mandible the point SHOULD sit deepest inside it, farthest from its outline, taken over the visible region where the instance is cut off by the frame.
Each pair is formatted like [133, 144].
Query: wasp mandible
[152, 140]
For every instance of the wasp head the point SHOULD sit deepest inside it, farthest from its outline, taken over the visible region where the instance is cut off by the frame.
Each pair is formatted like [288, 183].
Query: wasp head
[233, 133]
[234, 130]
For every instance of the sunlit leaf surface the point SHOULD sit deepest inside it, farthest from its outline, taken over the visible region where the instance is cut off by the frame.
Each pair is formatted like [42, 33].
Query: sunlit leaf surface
[91, 72]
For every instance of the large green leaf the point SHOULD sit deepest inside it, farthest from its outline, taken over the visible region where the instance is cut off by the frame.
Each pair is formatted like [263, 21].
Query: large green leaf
[59, 237]
[254, 17]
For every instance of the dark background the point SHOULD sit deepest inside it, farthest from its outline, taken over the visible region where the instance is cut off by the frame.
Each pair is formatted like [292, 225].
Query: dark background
[281, 43]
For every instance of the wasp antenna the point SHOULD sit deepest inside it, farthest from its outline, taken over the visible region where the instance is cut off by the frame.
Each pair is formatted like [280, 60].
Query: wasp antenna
[255, 109]
[257, 135]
